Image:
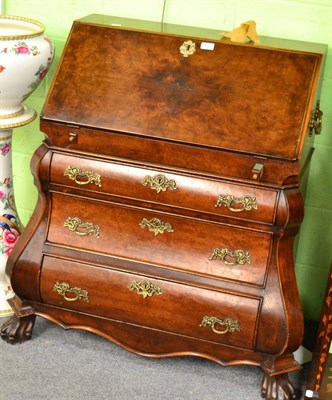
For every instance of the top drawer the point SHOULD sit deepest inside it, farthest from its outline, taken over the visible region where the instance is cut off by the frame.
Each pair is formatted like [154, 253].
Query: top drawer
[182, 191]
[170, 154]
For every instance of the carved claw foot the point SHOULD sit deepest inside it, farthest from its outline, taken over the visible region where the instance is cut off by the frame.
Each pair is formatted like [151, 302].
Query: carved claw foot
[278, 387]
[18, 329]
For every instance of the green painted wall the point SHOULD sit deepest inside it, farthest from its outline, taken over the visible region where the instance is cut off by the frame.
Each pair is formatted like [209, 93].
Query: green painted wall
[292, 19]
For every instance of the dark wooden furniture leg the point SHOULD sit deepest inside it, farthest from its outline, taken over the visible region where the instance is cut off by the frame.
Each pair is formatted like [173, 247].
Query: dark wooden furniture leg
[276, 384]
[278, 387]
[19, 327]
[320, 353]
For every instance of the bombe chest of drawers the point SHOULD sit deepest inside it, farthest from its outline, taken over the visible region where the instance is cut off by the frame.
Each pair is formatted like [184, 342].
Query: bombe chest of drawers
[169, 195]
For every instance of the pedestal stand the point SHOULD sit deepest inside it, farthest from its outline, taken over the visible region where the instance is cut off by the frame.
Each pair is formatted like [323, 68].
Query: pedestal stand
[10, 226]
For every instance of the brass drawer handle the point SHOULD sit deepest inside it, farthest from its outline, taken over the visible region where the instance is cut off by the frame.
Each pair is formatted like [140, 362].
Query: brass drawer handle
[159, 183]
[229, 324]
[240, 257]
[145, 288]
[156, 226]
[77, 293]
[237, 204]
[75, 225]
[82, 177]
[315, 124]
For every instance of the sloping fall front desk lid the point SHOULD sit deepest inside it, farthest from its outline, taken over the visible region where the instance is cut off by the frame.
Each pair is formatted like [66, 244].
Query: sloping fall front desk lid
[242, 98]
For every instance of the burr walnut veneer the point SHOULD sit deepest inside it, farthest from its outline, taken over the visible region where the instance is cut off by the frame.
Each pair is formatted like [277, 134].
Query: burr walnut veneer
[169, 195]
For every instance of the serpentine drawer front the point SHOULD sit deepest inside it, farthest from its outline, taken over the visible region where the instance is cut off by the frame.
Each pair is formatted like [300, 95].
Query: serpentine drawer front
[168, 195]
[207, 195]
[176, 242]
[101, 291]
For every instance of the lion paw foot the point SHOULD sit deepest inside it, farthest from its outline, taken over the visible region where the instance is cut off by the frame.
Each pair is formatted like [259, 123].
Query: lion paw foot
[18, 329]
[278, 387]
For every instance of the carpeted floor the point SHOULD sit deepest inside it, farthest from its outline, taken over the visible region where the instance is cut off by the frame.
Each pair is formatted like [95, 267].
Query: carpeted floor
[76, 365]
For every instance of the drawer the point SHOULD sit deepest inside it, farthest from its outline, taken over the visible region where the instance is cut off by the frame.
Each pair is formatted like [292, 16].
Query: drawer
[180, 243]
[182, 191]
[215, 316]
[171, 154]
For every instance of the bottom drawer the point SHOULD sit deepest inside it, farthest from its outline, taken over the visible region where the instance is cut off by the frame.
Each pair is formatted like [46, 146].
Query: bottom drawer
[201, 313]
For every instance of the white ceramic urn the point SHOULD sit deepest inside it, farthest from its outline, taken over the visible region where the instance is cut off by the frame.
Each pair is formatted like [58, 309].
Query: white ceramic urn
[25, 57]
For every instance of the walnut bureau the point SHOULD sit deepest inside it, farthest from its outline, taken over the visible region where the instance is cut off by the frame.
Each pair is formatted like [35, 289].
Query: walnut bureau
[169, 195]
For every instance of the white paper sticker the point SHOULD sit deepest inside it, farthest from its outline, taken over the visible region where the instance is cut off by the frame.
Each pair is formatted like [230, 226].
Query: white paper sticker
[309, 394]
[207, 46]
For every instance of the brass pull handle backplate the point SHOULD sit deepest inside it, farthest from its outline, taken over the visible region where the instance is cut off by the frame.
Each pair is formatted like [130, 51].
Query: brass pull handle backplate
[228, 324]
[145, 288]
[82, 177]
[75, 225]
[231, 257]
[156, 226]
[159, 183]
[70, 293]
[237, 204]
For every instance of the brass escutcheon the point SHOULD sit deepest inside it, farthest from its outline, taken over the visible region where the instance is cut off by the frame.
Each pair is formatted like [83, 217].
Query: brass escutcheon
[229, 324]
[156, 226]
[159, 183]
[82, 177]
[78, 294]
[187, 48]
[245, 203]
[75, 225]
[145, 288]
[240, 257]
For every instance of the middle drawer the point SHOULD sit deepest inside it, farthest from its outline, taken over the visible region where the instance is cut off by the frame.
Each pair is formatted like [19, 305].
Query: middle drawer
[180, 243]
[182, 191]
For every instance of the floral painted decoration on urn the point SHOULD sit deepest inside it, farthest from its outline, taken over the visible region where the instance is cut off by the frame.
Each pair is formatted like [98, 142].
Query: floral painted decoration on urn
[25, 57]
[10, 226]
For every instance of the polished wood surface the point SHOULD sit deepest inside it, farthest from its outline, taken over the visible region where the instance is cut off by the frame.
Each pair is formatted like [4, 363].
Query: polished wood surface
[166, 95]
[169, 198]
[198, 239]
[190, 192]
